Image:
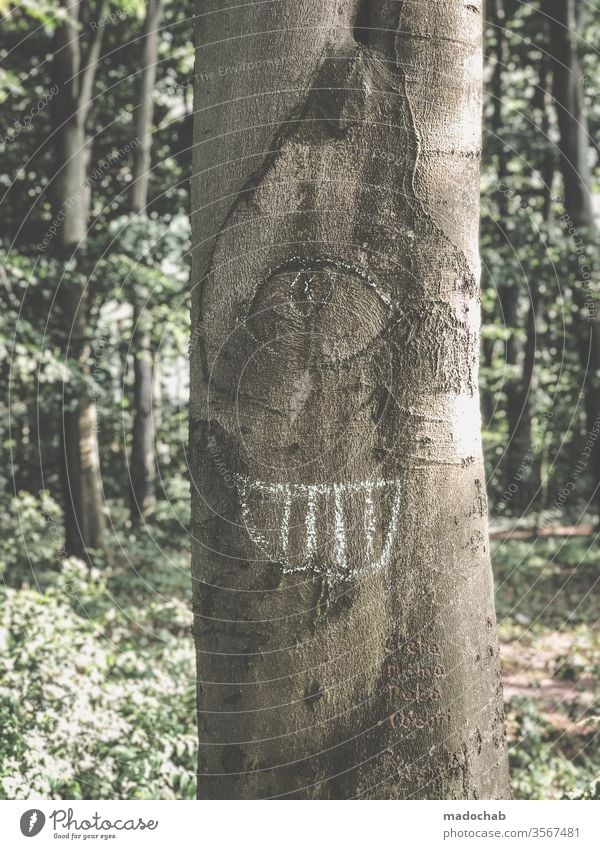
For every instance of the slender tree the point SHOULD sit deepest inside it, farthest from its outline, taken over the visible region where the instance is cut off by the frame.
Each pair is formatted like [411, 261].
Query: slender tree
[344, 615]
[76, 53]
[519, 356]
[142, 464]
[580, 226]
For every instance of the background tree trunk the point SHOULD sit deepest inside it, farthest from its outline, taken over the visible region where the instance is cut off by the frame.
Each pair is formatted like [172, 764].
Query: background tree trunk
[143, 460]
[343, 601]
[521, 465]
[517, 461]
[570, 109]
[74, 72]
[579, 220]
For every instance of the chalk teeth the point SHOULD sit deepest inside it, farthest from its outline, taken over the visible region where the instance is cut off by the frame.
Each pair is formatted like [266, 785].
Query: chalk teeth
[327, 515]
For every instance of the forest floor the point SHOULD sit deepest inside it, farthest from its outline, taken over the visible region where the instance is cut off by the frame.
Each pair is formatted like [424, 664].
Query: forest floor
[97, 693]
[548, 614]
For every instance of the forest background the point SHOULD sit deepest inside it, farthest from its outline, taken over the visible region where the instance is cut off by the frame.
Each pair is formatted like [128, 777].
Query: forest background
[97, 689]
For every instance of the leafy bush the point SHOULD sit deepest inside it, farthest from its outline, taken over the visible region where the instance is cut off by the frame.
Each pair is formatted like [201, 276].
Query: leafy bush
[84, 711]
[32, 535]
[540, 766]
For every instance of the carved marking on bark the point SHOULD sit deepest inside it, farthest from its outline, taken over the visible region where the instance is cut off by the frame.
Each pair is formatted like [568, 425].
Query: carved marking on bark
[412, 673]
[308, 285]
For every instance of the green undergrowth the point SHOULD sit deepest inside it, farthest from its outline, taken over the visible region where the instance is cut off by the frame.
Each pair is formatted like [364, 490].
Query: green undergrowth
[97, 676]
[548, 608]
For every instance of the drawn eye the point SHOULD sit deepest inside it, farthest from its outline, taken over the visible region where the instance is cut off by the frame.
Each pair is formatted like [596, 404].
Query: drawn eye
[323, 309]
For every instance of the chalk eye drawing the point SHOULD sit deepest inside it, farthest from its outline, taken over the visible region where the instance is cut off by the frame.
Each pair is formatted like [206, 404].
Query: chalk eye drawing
[329, 529]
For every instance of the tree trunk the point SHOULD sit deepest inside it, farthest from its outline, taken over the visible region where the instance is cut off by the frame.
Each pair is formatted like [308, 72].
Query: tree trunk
[578, 220]
[522, 469]
[570, 110]
[542, 105]
[143, 460]
[517, 461]
[85, 522]
[344, 615]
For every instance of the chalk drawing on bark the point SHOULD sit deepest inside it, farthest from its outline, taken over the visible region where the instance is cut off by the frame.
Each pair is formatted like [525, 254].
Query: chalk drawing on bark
[326, 529]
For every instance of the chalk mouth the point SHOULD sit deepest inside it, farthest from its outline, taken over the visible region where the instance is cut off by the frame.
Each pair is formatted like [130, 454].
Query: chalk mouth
[342, 530]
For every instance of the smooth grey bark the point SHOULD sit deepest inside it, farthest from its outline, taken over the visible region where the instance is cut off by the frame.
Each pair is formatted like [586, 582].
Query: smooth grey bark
[344, 617]
[74, 69]
[568, 94]
[143, 460]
